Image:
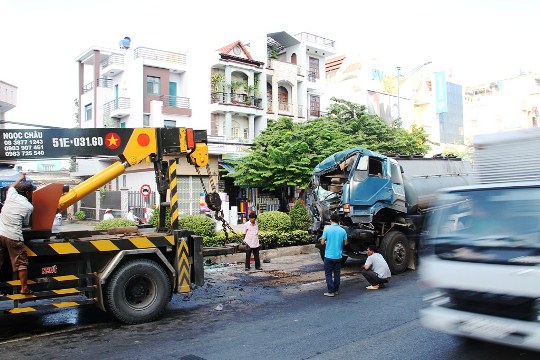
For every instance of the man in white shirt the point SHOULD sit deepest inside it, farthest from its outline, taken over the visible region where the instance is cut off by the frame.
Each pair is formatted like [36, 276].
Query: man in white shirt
[108, 215]
[131, 216]
[16, 213]
[376, 270]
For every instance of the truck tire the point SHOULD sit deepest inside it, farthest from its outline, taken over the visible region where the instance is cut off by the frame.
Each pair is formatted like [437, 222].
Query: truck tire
[395, 250]
[138, 291]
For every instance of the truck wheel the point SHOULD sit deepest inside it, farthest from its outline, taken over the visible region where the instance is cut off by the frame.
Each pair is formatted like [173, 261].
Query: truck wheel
[138, 291]
[395, 249]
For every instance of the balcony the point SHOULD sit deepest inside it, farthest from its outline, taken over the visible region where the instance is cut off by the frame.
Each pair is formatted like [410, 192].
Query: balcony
[236, 99]
[117, 108]
[113, 65]
[105, 83]
[317, 44]
[175, 62]
[8, 96]
[176, 105]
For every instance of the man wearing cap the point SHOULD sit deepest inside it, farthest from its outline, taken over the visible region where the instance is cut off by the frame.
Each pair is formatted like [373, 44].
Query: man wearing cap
[16, 213]
[108, 215]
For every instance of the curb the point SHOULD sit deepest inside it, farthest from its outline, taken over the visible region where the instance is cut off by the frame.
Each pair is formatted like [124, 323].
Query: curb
[271, 253]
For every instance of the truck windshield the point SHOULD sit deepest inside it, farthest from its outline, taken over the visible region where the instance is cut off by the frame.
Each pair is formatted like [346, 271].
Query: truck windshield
[494, 218]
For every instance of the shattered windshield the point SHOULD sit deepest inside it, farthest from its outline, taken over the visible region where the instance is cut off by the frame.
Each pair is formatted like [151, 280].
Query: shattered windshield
[502, 217]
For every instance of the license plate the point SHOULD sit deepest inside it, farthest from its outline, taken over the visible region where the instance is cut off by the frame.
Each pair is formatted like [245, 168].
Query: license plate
[486, 328]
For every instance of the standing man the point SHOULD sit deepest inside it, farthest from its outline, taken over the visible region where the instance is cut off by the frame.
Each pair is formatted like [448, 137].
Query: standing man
[251, 237]
[376, 270]
[16, 213]
[334, 237]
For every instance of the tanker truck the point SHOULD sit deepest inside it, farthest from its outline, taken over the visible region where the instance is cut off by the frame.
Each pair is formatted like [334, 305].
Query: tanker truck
[381, 200]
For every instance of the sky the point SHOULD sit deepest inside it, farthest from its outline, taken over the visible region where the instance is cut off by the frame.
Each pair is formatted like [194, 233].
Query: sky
[40, 40]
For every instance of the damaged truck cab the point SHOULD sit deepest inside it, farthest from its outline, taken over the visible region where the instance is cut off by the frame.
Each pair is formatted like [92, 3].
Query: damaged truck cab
[378, 201]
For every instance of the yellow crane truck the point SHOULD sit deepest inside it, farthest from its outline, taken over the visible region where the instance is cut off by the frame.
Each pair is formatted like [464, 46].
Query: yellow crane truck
[131, 276]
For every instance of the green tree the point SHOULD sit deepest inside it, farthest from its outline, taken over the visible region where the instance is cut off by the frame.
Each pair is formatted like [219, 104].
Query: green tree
[286, 152]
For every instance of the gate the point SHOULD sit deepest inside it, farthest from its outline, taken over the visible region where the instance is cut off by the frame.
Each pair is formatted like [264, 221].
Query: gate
[138, 203]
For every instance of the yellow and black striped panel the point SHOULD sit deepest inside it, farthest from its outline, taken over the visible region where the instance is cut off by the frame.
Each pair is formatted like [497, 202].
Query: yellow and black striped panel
[48, 294]
[51, 279]
[182, 268]
[173, 186]
[59, 305]
[100, 245]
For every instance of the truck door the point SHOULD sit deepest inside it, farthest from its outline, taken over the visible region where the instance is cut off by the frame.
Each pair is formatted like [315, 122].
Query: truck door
[398, 186]
[370, 182]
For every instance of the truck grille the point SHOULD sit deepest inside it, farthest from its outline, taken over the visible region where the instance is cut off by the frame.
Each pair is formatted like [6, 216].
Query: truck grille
[506, 306]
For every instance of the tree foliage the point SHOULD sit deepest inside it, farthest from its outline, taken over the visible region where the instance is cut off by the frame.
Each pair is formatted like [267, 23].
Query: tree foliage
[286, 152]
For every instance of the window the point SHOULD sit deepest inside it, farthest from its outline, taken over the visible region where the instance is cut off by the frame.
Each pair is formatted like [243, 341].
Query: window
[152, 85]
[146, 120]
[169, 123]
[123, 124]
[88, 112]
[124, 181]
[246, 133]
[235, 132]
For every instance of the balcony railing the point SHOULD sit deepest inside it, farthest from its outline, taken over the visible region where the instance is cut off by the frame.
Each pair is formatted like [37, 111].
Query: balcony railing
[317, 113]
[175, 101]
[283, 106]
[160, 55]
[116, 59]
[236, 99]
[312, 76]
[117, 104]
[315, 39]
[106, 83]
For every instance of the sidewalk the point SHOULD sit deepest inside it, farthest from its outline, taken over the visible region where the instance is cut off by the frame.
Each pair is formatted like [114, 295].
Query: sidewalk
[82, 225]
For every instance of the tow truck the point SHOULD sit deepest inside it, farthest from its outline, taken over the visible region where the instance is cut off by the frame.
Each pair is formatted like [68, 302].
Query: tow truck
[128, 273]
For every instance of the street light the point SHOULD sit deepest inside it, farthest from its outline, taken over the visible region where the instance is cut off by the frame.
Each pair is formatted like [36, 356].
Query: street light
[405, 77]
[398, 109]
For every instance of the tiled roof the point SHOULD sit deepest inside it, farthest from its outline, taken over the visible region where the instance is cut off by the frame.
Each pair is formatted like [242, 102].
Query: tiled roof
[227, 49]
[334, 63]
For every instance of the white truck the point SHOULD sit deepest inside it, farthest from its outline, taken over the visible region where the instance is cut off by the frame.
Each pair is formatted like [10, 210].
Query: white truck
[481, 251]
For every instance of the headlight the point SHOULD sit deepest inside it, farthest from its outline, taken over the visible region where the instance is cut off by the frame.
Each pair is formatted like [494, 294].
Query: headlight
[346, 208]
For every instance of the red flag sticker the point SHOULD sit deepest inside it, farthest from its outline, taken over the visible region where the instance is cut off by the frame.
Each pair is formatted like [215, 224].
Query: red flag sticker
[112, 141]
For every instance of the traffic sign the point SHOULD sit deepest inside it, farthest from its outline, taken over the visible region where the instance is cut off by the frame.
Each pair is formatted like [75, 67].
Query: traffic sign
[146, 190]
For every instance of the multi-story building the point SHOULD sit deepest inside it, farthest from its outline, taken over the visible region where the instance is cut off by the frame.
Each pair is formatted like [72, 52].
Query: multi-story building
[419, 97]
[231, 92]
[502, 105]
[139, 87]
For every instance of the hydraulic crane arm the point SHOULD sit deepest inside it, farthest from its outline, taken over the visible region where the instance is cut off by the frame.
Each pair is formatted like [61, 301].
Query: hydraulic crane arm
[131, 146]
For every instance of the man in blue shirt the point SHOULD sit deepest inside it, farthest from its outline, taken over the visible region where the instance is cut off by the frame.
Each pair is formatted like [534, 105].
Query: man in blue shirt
[334, 237]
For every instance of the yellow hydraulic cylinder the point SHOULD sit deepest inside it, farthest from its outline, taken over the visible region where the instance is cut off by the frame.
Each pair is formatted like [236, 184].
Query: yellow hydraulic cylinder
[91, 184]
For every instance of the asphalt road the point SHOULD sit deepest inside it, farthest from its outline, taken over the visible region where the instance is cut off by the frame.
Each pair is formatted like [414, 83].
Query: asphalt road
[277, 313]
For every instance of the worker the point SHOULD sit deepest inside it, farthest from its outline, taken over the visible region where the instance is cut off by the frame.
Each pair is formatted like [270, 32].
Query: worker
[131, 216]
[16, 213]
[108, 215]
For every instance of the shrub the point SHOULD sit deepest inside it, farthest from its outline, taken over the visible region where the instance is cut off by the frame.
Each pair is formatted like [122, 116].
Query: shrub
[80, 215]
[200, 224]
[299, 237]
[219, 239]
[114, 223]
[155, 217]
[300, 218]
[274, 221]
